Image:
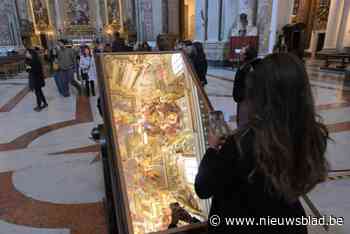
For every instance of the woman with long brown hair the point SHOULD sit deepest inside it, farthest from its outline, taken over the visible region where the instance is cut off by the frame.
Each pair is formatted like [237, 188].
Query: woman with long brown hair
[279, 155]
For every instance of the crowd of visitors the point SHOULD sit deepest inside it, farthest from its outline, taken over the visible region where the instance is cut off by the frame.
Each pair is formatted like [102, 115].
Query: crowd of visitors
[76, 65]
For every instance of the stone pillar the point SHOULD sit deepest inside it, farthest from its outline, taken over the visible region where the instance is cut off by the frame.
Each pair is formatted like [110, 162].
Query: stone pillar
[217, 46]
[346, 40]
[200, 20]
[264, 25]
[281, 15]
[59, 23]
[213, 20]
[157, 18]
[333, 24]
[249, 7]
[174, 17]
[139, 27]
[146, 20]
[274, 25]
[285, 11]
[229, 14]
[344, 32]
[99, 24]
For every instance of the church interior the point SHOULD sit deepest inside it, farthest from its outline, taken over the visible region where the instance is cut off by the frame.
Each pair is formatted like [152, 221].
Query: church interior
[119, 151]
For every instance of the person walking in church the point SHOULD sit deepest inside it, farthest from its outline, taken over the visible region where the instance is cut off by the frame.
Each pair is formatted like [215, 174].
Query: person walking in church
[249, 57]
[36, 78]
[66, 61]
[200, 62]
[88, 71]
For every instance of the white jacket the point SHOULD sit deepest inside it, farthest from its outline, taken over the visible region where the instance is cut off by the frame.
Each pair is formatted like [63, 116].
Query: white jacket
[88, 63]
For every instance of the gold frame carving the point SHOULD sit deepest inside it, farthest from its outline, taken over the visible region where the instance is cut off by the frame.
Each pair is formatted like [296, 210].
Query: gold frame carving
[121, 198]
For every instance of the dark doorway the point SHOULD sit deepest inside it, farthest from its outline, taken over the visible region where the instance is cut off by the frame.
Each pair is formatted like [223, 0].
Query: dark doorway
[320, 41]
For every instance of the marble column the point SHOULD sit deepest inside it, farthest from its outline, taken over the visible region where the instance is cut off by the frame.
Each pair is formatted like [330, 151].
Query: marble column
[99, 25]
[213, 20]
[139, 27]
[157, 18]
[285, 11]
[173, 17]
[146, 19]
[200, 19]
[229, 14]
[344, 32]
[264, 25]
[346, 38]
[273, 25]
[333, 24]
[59, 23]
[217, 44]
[281, 15]
[249, 7]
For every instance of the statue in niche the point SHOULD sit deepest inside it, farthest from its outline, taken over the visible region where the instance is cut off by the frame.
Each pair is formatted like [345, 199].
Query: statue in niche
[243, 28]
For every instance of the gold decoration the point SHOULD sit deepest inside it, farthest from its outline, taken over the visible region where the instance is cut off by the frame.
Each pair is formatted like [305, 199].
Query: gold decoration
[153, 118]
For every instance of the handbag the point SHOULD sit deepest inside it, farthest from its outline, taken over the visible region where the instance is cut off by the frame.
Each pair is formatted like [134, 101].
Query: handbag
[55, 66]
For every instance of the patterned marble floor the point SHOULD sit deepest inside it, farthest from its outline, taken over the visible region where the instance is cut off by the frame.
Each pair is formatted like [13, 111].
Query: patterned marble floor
[50, 183]
[46, 187]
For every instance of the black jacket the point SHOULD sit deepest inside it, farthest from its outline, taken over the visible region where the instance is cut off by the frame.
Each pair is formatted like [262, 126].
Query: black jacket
[36, 74]
[239, 87]
[223, 176]
[200, 65]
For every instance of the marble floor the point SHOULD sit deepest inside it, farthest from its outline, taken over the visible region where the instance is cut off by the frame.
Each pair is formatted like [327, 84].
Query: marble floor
[52, 184]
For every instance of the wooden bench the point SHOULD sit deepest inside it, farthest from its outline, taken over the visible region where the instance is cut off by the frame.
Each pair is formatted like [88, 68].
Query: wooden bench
[343, 58]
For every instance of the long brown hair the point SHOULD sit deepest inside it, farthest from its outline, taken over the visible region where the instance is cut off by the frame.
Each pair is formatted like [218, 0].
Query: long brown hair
[289, 139]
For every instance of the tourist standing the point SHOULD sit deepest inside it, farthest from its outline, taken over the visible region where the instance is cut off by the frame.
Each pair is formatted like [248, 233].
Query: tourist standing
[66, 60]
[36, 78]
[88, 71]
[279, 156]
[200, 62]
[249, 57]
